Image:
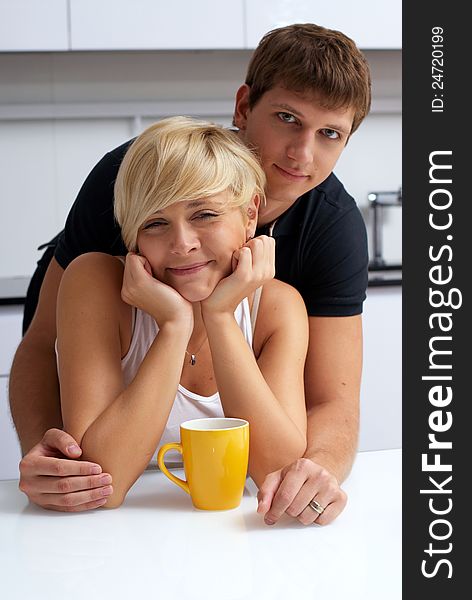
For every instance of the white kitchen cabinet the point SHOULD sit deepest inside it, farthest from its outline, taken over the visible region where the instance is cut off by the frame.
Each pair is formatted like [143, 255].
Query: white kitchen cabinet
[55, 25]
[381, 389]
[33, 25]
[11, 318]
[370, 23]
[10, 453]
[10, 336]
[156, 24]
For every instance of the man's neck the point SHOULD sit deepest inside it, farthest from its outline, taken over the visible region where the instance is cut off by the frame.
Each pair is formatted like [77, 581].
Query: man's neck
[272, 210]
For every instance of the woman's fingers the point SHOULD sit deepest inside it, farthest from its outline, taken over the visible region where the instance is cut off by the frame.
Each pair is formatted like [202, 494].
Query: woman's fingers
[263, 257]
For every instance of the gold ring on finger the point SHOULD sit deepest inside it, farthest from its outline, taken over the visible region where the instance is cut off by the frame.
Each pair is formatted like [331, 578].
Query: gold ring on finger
[316, 506]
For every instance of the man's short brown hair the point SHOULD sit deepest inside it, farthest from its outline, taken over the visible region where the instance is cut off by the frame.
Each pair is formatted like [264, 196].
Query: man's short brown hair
[308, 58]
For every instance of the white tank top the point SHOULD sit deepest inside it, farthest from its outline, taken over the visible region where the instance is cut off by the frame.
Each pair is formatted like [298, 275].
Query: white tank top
[187, 405]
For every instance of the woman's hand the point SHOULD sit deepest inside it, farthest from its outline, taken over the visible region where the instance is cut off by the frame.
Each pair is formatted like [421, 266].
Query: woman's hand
[253, 265]
[161, 301]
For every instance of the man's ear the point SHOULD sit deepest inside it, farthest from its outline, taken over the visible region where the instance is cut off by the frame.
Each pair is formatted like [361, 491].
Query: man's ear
[252, 212]
[241, 107]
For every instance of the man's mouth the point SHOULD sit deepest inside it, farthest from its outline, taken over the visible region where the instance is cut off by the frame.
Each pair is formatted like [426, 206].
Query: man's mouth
[291, 174]
[188, 269]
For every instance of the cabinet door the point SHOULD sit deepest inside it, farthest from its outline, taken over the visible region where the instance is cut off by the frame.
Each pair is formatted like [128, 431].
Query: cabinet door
[10, 454]
[29, 25]
[370, 23]
[381, 390]
[156, 24]
[11, 318]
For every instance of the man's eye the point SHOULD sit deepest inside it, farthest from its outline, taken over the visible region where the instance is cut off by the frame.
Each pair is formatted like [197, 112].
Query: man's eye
[286, 117]
[331, 134]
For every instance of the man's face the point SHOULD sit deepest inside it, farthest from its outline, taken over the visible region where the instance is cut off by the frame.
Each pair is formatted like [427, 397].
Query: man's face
[298, 141]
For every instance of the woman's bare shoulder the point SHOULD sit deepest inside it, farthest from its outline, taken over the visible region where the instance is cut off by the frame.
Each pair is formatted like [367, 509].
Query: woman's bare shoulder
[95, 268]
[280, 296]
[282, 311]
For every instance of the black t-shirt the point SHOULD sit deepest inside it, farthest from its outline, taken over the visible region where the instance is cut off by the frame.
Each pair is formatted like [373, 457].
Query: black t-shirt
[321, 241]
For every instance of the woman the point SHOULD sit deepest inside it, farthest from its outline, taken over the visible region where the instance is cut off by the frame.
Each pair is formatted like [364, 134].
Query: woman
[165, 335]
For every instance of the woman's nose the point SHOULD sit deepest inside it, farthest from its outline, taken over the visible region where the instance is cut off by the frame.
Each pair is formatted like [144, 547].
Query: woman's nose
[184, 239]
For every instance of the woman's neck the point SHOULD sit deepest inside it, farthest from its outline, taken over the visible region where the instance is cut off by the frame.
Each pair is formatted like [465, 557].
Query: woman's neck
[199, 331]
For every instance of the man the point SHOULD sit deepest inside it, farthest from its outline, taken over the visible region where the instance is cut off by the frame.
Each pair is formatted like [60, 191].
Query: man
[307, 90]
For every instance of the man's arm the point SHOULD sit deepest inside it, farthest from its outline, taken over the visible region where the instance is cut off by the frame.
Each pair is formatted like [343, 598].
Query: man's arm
[33, 387]
[36, 411]
[332, 386]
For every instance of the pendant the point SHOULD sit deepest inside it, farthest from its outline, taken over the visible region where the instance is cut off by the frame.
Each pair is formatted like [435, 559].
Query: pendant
[193, 359]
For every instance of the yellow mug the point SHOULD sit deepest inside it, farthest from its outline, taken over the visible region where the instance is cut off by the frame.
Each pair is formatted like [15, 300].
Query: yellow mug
[215, 453]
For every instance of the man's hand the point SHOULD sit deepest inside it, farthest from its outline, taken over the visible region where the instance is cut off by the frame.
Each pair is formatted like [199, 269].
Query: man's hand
[52, 479]
[289, 490]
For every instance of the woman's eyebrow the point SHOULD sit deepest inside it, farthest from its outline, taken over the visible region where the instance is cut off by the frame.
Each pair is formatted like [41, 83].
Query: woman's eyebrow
[189, 204]
[195, 203]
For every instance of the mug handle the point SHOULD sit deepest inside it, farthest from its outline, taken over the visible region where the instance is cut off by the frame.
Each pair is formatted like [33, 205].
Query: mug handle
[160, 461]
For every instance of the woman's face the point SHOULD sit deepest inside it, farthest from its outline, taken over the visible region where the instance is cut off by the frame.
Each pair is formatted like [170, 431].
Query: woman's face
[190, 244]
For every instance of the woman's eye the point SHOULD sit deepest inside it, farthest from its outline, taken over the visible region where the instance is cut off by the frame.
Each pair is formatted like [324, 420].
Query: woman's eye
[154, 225]
[332, 134]
[286, 117]
[204, 216]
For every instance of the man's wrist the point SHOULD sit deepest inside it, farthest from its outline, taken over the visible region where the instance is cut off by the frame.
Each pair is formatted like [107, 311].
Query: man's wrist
[339, 469]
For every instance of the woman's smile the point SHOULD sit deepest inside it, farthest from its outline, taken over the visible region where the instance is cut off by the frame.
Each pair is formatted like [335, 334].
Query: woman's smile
[188, 269]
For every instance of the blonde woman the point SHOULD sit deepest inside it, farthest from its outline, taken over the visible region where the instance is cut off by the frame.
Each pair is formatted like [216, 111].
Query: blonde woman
[167, 334]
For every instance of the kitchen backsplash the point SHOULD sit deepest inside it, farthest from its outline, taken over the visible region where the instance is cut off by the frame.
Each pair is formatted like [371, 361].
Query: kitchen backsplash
[59, 113]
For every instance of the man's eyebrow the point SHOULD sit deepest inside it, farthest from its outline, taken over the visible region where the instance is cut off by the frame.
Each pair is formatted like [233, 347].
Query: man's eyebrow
[338, 127]
[297, 113]
[287, 107]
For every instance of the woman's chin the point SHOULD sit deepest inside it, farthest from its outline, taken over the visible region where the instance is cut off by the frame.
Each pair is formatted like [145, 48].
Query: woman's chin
[195, 295]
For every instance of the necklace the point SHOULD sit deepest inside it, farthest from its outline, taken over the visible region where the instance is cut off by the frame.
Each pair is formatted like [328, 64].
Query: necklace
[193, 355]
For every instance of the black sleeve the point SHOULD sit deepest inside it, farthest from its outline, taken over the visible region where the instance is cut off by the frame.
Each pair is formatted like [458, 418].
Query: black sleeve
[336, 268]
[90, 225]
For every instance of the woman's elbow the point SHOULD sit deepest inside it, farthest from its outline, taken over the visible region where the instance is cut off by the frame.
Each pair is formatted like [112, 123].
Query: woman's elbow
[114, 501]
[280, 459]
[302, 446]
[295, 450]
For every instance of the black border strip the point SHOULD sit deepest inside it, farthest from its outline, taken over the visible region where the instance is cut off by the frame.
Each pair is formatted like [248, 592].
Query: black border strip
[436, 119]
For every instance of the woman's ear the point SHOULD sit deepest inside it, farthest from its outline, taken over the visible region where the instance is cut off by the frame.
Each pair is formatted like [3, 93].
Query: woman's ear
[241, 107]
[252, 212]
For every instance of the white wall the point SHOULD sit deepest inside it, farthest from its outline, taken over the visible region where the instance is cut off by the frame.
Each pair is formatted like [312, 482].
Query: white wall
[56, 121]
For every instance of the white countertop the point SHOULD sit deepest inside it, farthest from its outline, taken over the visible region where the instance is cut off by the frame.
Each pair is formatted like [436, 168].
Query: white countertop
[157, 545]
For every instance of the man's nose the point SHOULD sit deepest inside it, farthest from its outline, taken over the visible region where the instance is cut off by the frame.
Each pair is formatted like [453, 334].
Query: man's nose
[301, 148]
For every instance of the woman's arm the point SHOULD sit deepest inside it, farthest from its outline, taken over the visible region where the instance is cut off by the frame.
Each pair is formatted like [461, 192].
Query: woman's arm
[116, 426]
[267, 391]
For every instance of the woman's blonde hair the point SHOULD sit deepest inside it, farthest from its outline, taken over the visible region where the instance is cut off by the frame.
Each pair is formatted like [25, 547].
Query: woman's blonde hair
[180, 159]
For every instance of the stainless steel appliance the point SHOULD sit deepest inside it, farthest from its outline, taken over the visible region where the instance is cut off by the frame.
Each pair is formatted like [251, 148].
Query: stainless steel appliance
[377, 201]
